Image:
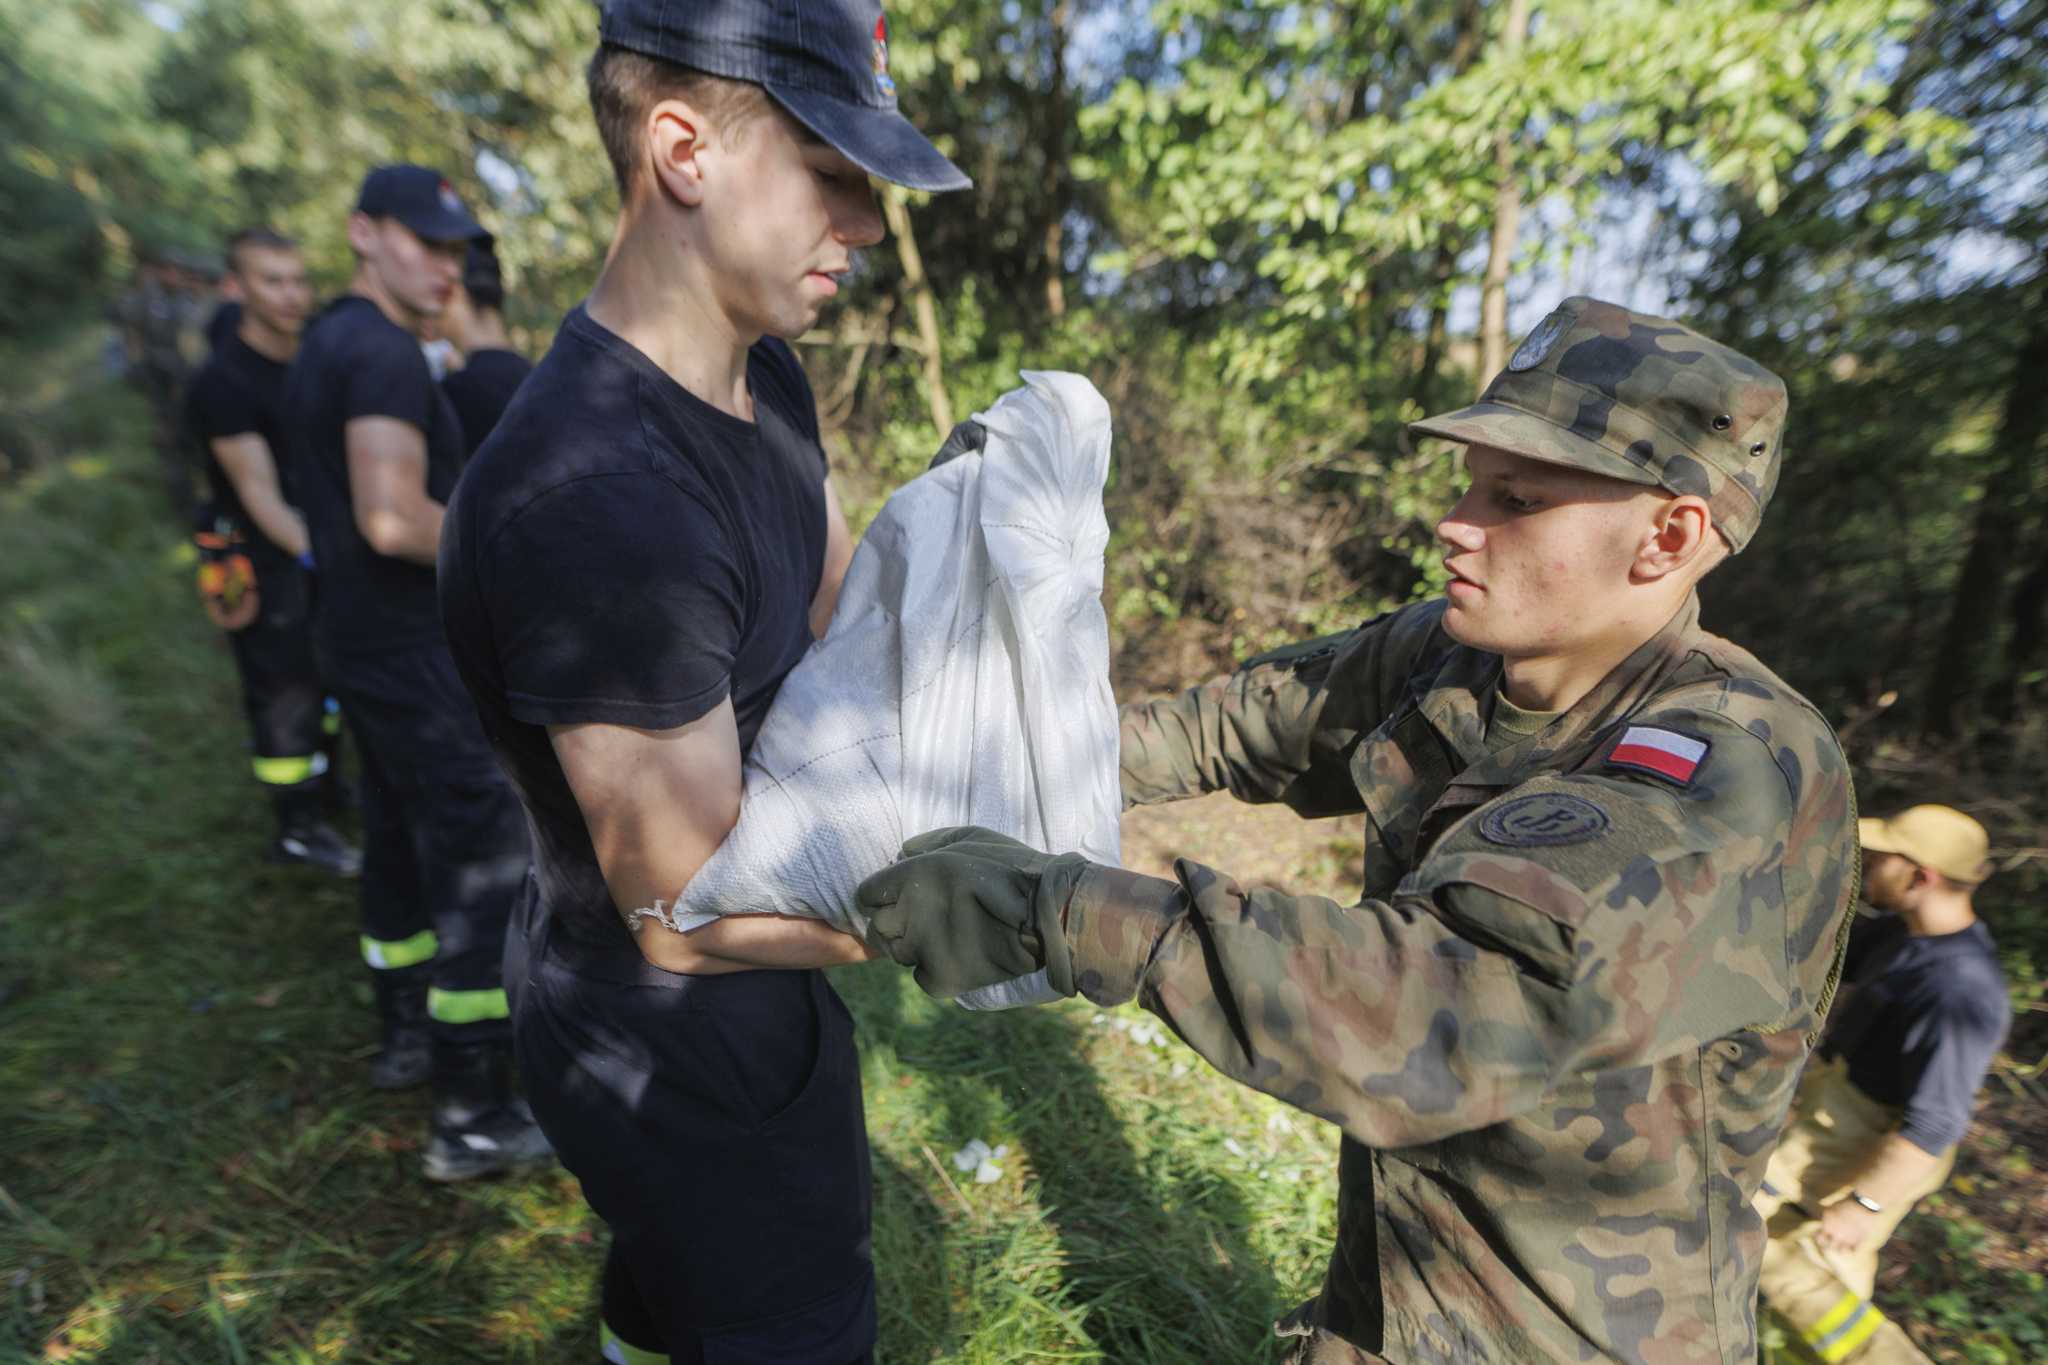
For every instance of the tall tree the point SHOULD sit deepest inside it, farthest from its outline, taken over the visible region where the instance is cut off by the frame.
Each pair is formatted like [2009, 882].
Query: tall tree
[1897, 286]
[1507, 215]
[2007, 508]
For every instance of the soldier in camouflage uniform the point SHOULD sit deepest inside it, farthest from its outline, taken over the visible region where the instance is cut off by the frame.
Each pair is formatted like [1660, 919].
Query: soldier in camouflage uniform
[1608, 862]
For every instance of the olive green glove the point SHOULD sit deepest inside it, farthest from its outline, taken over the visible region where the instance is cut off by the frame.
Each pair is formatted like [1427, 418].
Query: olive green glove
[968, 908]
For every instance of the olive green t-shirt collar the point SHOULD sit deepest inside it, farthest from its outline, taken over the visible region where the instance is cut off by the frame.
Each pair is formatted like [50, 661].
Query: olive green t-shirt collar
[1510, 724]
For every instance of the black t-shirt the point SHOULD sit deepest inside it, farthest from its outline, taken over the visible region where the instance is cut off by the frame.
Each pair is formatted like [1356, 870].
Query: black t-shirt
[481, 391]
[237, 392]
[1919, 1029]
[355, 362]
[221, 327]
[622, 552]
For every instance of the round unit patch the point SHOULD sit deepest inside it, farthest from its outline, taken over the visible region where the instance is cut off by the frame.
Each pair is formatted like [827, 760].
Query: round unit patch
[1543, 819]
[1537, 344]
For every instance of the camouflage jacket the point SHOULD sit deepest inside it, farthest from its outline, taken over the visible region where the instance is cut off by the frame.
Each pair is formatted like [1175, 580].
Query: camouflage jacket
[1562, 1030]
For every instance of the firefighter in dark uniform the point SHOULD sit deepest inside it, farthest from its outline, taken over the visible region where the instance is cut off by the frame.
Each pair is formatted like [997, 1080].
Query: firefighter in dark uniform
[377, 449]
[254, 550]
[491, 371]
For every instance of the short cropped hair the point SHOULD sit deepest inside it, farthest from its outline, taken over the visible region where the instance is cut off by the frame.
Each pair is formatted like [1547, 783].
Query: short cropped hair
[624, 85]
[482, 280]
[267, 238]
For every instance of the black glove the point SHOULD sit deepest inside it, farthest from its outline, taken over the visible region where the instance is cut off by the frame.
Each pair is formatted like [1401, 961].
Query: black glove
[969, 908]
[966, 436]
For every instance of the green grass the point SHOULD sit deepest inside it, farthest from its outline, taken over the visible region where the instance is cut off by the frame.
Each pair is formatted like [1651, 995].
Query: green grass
[193, 1170]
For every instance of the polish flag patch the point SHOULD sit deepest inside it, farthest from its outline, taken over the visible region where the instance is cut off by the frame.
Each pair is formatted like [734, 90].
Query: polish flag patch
[1661, 753]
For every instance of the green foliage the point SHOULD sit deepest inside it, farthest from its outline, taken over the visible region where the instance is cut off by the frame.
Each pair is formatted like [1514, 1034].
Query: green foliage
[1302, 149]
[1246, 218]
[71, 144]
[1897, 288]
[283, 104]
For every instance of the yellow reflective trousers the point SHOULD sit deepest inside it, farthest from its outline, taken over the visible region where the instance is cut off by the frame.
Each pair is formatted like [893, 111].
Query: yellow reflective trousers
[1822, 1295]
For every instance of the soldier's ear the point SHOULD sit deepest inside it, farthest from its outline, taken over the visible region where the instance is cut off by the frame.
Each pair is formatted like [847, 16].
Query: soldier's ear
[1681, 539]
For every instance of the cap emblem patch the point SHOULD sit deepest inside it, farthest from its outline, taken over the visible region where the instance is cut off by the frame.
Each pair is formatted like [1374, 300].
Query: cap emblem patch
[883, 82]
[1661, 753]
[449, 199]
[1537, 344]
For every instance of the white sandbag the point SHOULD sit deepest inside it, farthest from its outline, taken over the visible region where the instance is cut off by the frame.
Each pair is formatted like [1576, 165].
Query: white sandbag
[964, 681]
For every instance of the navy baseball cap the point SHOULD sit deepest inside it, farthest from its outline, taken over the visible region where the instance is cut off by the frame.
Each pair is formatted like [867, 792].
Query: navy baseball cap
[825, 61]
[420, 198]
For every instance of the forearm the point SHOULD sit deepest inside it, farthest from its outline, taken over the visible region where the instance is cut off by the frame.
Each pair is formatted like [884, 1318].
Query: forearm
[279, 523]
[1206, 739]
[251, 466]
[388, 473]
[1278, 729]
[740, 943]
[1320, 1005]
[410, 531]
[1159, 755]
[659, 804]
[1895, 1171]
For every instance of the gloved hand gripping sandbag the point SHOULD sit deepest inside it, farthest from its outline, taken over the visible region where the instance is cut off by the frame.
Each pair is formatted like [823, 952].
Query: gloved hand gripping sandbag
[964, 681]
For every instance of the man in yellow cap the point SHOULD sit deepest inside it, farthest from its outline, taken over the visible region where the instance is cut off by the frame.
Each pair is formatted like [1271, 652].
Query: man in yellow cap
[1889, 1095]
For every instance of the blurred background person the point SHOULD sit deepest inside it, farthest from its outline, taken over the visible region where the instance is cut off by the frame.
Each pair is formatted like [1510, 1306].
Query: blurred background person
[1888, 1097]
[227, 307]
[377, 448]
[437, 348]
[491, 371]
[155, 320]
[234, 414]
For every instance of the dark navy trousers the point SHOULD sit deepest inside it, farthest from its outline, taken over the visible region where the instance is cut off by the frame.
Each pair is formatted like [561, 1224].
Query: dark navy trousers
[716, 1125]
[444, 837]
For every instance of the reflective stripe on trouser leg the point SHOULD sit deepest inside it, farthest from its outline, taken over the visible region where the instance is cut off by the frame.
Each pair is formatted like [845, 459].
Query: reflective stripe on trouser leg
[624, 1353]
[467, 1007]
[1842, 1328]
[288, 772]
[404, 952]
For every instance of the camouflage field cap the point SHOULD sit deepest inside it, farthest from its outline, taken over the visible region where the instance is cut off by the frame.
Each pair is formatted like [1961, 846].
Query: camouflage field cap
[1639, 398]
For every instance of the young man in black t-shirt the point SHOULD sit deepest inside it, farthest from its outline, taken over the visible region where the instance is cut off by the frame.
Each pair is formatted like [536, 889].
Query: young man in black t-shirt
[232, 410]
[491, 370]
[633, 562]
[376, 451]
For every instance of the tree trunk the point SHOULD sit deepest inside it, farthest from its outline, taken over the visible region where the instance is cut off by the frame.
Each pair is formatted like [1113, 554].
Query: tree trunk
[1057, 181]
[1464, 51]
[2019, 687]
[1507, 218]
[1437, 335]
[2002, 513]
[896, 209]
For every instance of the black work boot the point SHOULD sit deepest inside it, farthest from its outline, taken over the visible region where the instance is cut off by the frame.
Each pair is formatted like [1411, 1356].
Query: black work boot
[304, 836]
[318, 844]
[407, 1057]
[480, 1127]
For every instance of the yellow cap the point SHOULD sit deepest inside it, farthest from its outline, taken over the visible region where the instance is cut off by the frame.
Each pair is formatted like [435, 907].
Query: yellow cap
[1937, 837]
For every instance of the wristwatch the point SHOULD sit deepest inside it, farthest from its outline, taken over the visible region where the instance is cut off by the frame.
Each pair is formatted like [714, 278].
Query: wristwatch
[1866, 1201]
